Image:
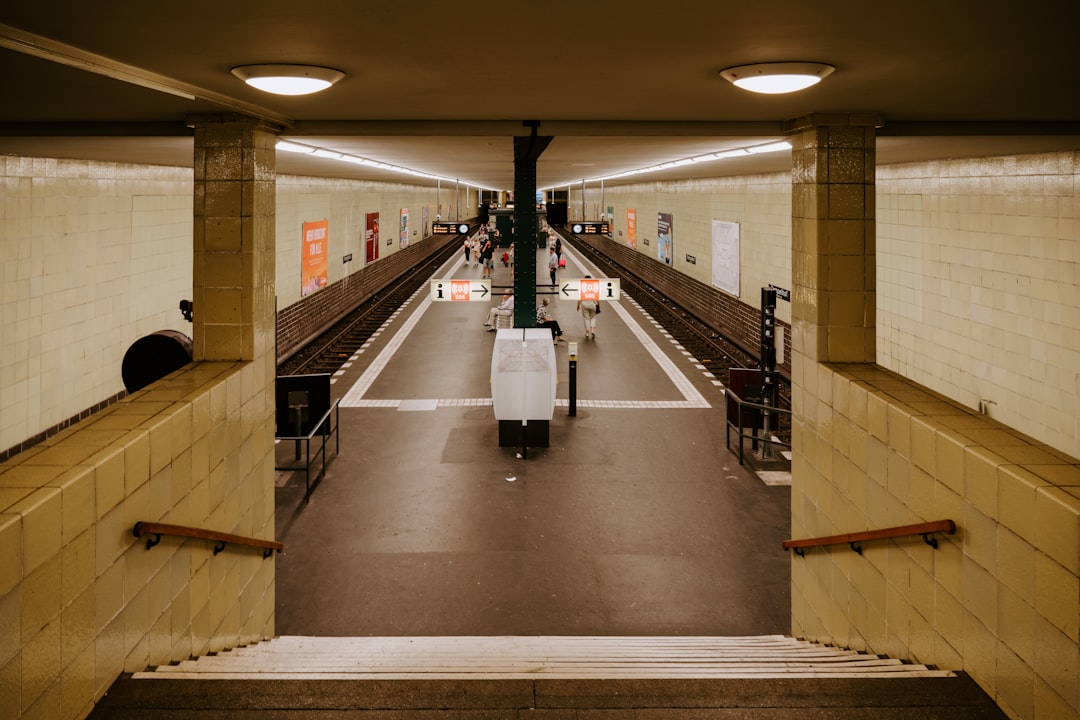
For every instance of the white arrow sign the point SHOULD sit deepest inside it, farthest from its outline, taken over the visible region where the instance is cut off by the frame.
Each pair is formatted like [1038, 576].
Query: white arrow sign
[460, 290]
[590, 289]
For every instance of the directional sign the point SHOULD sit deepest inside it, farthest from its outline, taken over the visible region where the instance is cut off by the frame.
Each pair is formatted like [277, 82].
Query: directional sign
[460, 290]
[590, 289]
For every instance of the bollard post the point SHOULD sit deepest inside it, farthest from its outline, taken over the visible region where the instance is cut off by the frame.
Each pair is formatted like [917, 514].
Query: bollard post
[571, 352]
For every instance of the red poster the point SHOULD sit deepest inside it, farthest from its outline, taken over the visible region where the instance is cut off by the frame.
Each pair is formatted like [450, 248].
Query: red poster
[315, 263]
[371, 237]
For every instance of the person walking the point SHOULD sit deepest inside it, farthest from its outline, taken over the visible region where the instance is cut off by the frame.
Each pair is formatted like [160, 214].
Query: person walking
[589, 309]
[468, 248]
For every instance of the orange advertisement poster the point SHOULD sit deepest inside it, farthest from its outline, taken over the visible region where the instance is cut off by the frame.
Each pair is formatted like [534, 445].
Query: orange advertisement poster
[315, 264]
[631, 227]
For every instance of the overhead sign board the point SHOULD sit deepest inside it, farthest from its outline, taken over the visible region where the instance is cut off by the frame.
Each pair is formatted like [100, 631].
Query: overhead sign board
[449, 228]
[590, 289]
[460, 290]
[591, 228]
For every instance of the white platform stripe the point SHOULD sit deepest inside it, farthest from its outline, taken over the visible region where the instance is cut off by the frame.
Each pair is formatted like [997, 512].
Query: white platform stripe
[529, 657]
[692, 398]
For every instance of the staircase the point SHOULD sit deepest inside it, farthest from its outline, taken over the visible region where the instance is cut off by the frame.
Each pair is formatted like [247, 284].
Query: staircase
[556, 678]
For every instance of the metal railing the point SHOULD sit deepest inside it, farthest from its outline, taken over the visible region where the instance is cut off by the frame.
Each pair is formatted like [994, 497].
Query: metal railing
[748, 415]
[324, 429]
[927, 530]
[156, 530]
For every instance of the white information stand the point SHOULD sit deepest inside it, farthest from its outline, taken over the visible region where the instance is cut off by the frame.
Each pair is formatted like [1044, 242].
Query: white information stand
[523, 379]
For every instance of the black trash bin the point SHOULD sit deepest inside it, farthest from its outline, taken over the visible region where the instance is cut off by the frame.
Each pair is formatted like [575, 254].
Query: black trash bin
[153, 357]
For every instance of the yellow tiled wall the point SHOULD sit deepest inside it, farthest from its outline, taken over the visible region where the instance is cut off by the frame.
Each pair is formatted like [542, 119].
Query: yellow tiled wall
[93, 256]
[761, 204]
[345, 204]
[979, 285]
[1000, 599]
[81, 599]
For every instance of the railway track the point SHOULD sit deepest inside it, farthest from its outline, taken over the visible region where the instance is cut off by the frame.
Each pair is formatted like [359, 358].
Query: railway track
[716, 352]
[328, 352]
[333, 348]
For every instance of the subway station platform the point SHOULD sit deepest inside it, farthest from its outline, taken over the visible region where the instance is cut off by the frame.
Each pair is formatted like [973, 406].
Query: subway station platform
[635, 520]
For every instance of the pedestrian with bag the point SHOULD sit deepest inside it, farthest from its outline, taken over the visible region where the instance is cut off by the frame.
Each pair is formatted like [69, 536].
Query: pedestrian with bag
[589, 309]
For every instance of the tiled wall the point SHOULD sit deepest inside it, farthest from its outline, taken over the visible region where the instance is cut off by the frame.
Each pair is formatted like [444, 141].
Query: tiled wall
[93, 256]
[346, 204]
[1000, 599]
[978, 254]
[81, 599]
[761, 204]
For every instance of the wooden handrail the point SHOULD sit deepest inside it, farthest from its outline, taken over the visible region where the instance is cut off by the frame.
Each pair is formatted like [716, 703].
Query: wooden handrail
[156, 530]
[926, 529]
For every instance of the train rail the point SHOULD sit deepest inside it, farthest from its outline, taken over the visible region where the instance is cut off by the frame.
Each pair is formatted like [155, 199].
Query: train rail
[706, 344]
[333, 348]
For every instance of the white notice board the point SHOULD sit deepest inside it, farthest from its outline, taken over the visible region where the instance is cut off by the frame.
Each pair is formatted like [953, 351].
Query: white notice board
[725, 256]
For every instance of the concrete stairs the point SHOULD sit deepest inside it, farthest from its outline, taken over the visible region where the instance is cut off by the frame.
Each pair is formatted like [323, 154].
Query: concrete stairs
[544, 678]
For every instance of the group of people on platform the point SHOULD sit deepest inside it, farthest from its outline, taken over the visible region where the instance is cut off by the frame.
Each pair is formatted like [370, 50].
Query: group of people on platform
[588, 309]
[480, 250]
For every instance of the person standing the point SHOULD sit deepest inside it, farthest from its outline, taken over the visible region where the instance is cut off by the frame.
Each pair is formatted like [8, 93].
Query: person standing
[486, 253]
[468, 247]
[553, 265]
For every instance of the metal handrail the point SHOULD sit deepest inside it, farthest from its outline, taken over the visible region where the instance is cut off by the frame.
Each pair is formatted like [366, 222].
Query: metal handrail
[926, 529]
[220, 539]
[739, 428]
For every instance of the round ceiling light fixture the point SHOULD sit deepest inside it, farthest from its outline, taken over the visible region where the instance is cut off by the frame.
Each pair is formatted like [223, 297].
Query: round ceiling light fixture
[288, 79]
[777, 77]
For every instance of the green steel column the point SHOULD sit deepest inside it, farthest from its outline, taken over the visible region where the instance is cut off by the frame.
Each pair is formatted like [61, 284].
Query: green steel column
[526, 152]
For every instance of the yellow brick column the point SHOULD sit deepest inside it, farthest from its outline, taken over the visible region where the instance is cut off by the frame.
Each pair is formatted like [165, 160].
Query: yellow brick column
[832, 321]
[233, 273]
[833, 285]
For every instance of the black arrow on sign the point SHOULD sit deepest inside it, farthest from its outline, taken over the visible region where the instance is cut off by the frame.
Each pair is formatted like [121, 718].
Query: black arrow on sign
[483, 290]
[567, 289]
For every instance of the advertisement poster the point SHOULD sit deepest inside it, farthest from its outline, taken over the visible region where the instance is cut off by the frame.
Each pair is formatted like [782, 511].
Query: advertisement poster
[664, 252]
[371, 237]
[631, 227]
[725, 256]
[426, 215]
[316, 260]
[610, 217]
[404, 228]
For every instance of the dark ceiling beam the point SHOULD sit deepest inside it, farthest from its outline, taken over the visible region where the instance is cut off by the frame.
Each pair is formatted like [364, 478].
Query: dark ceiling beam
[511, 128]
[96, 129]
[977, 129]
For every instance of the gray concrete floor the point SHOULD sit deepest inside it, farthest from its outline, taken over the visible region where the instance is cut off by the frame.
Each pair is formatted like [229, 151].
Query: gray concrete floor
[634, 521]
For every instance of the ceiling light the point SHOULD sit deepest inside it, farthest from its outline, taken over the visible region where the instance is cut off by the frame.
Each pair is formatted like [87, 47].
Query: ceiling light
[776, 78]
[771, 147]
[288, 79]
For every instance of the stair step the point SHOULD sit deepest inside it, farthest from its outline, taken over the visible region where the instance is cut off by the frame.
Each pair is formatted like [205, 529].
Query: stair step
[552, 657]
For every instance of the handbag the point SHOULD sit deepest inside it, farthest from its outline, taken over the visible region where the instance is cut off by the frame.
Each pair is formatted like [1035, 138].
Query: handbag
[597, 308]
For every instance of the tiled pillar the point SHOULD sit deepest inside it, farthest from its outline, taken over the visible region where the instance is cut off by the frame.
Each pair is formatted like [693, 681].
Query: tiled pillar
[832, 260]
[233, 273]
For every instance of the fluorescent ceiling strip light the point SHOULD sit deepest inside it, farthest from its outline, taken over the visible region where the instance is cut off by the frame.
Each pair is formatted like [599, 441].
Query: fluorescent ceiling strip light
[287, 146]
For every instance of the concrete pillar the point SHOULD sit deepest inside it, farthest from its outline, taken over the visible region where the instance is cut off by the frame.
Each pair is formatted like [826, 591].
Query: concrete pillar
[833, 261]
[233, 273]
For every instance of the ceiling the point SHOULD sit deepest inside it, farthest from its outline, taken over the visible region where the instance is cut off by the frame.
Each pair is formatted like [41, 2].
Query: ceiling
[444, 88]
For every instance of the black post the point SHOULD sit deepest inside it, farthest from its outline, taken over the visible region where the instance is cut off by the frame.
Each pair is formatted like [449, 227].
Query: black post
[768, 362]
[527, 151]
[573, 386]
